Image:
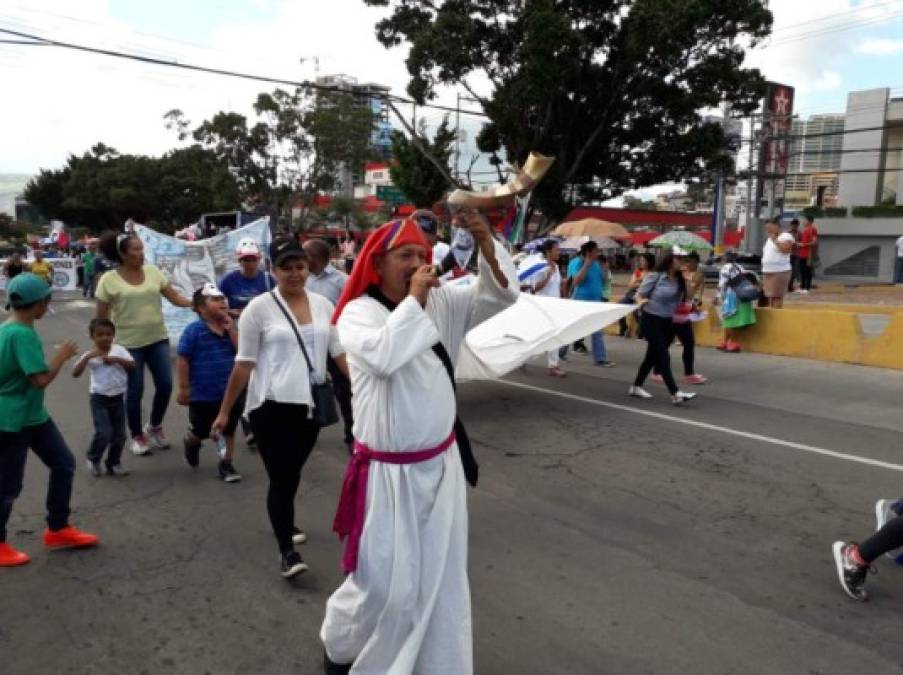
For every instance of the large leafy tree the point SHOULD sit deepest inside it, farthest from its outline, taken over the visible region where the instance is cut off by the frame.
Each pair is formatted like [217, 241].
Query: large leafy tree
[612, 88]
[102, 189]
[416, 175]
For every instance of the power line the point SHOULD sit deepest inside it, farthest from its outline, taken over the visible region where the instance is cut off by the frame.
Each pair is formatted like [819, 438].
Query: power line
[305, 84]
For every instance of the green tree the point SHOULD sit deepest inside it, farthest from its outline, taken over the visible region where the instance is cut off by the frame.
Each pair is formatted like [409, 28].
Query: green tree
[631, 202]
[611, 88]
[413, 173]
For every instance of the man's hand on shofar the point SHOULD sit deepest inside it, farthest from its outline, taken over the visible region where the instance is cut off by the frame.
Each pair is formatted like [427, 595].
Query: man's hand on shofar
[477, 224]
[423, 280]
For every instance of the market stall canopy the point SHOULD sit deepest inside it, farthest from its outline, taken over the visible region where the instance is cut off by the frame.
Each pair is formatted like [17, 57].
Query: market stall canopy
[592, 227]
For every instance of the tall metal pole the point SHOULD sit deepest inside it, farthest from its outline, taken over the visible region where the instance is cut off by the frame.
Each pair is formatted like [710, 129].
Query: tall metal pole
[457, 136]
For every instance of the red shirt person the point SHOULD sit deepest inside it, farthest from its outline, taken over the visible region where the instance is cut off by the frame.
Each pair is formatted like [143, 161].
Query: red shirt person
[807, 243]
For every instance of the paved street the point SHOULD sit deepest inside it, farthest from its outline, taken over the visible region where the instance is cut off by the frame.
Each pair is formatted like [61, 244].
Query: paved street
[608, 535]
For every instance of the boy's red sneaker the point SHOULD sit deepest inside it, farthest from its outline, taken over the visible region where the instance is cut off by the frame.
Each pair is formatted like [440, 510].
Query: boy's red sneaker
[10, 557]
[69, 537]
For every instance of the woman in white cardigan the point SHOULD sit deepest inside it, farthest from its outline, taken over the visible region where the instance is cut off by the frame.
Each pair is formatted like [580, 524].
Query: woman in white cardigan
[279, 404]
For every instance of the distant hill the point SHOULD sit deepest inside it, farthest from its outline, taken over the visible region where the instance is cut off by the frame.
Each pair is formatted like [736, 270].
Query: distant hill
[13, 183]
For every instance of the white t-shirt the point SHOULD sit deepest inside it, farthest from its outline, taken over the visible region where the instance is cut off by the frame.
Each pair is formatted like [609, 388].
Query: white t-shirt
[900, 247]
[266, 339]
[109, 379]
[773, 261]
[553, 288]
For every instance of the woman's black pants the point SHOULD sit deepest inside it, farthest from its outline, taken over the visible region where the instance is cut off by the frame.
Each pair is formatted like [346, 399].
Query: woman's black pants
[285, 437]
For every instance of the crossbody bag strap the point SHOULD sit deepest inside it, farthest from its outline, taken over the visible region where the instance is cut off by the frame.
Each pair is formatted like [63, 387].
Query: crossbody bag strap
[294, 326]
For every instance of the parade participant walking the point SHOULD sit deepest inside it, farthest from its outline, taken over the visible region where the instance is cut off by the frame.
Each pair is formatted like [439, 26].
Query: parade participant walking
[25, 422]
[246, 283]
[549, 285]
[88, 259]
[586, 277]
[283, 339]
[659, 295]
[329, 282]
[735, 313]
[808, 241]
[130, 297]
[14, 266]
[683, 325]
[206, 354]
[109, 365]
[854, 561]
[41, 267]
[776, 263]
[405, 605]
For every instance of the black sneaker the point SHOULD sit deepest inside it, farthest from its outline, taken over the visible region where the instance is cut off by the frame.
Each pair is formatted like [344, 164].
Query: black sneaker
[228, 473]
[94, 468]
[580, 348]
[117, 470]
[291, 565]
[299, 536]
[331, 668]
[849, 573]
[192, 454]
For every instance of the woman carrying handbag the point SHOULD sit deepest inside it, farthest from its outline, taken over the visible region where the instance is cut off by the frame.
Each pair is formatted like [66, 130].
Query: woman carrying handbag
[283, 339]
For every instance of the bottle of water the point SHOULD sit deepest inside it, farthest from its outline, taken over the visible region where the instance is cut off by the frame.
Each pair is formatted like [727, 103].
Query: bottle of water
[462, 246]
[220, 446]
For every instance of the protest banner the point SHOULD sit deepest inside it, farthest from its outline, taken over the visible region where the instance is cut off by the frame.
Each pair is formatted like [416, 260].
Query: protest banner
[190, 264]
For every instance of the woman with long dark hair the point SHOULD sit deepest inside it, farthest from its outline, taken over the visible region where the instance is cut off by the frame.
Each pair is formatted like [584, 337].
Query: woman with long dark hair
[130, 296]
[659, 295]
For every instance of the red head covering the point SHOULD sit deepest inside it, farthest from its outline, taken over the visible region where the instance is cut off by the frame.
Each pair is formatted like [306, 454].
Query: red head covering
[385, 238]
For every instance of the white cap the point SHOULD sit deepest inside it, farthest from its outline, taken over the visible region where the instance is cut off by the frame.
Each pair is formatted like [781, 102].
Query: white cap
[679, 252]
[247, 248]
[211, 291]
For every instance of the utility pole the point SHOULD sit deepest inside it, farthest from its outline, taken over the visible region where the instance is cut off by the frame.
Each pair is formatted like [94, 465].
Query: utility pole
[457, 136]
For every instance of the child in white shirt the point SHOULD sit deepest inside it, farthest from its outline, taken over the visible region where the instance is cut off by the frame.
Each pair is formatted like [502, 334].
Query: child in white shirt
[108, 364]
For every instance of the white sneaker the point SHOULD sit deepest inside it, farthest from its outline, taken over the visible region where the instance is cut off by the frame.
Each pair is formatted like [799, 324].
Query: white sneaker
[682, 396]
[139, 446]
[155, 437]
[638, 392]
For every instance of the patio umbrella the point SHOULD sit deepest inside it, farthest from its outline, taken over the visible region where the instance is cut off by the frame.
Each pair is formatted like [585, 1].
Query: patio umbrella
[574, 243]
[592, 227]
[686, 240]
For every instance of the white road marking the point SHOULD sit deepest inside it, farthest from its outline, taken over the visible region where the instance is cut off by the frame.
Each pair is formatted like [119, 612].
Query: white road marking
[802, 447]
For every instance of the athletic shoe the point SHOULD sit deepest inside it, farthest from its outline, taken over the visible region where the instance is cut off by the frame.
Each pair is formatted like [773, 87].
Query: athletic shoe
[696, 378]
[580, 349]
[299, 536]
[140, 446]
[117, 470]
[655, 377]
[69, 537]
[94, 468]
[228, 473]
[557, 372]
[291, 565]
[606, 364]
[155, 437]
[884, 513]
[192, 453]
[10, 557]
[681, 397]
[332, 668]
[638, 392]
[850, 574]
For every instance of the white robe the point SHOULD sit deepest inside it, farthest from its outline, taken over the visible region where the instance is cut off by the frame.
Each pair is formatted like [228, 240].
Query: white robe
[406, 609]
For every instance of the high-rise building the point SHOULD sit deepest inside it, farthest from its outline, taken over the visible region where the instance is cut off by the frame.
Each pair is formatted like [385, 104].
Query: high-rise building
[372, 96]
[815, 157]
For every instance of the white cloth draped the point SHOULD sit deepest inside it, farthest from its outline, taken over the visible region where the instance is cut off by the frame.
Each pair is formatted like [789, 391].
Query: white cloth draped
[406, 609]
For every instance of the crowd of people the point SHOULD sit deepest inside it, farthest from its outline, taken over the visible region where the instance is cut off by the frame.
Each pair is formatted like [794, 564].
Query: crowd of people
[276, 350]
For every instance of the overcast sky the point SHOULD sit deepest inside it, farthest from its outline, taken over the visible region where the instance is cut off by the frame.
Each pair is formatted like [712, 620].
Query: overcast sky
[57, 102]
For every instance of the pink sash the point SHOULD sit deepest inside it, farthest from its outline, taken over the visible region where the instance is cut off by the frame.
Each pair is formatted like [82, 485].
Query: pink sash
[349, 517]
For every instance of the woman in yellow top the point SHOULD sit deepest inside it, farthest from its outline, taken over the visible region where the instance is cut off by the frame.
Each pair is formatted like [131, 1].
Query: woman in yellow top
[41, 268]
[130, 296]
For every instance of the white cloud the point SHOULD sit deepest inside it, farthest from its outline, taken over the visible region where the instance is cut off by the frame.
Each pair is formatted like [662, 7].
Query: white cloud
[828, 80]
[880, 47]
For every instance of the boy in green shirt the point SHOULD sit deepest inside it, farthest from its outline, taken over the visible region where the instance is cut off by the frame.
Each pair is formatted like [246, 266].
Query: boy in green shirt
[25, 423]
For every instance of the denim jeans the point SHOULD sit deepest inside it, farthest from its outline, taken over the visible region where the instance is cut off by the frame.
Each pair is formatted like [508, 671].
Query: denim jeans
[108, 413]
[599, 352]
[48, 444]
[156, 357]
